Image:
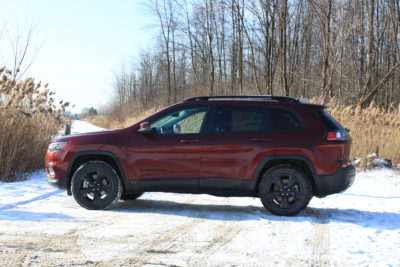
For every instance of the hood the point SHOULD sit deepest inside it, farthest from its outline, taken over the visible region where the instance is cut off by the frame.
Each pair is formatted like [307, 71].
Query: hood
[87, 135]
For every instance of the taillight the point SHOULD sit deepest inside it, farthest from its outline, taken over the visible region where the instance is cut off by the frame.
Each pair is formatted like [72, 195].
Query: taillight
[340, 135]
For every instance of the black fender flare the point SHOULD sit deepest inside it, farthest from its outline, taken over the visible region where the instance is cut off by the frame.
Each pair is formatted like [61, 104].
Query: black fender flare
[97, 153]
[257, 176]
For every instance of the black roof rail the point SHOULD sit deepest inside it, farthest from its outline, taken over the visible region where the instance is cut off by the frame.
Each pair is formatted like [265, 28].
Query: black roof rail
[260, 97]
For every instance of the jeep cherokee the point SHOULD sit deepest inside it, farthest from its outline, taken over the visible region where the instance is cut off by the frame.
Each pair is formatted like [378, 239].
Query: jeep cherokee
[279, 149]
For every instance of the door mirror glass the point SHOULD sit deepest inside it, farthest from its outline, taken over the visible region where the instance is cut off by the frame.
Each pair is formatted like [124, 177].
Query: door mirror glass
[144, 127]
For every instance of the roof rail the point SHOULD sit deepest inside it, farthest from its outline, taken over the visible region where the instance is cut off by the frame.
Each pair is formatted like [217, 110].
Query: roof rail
[260, 97]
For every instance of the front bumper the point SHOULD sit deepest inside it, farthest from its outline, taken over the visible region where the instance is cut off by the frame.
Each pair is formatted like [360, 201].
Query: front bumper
[338, 182]
[59, 183]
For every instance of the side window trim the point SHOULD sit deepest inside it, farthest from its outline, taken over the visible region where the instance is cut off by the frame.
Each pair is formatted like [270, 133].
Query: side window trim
[207, 118]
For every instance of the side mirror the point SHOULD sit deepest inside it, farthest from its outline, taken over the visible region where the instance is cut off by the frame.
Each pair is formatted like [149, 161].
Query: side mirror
[144, 127]
[347, 130]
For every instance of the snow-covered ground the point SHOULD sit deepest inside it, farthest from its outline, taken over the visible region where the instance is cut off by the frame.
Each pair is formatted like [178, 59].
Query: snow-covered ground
[42, 226]
[79, 126]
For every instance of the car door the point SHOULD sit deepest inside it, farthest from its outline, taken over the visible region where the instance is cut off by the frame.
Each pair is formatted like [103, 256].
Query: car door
[237, 139]
[173, 147]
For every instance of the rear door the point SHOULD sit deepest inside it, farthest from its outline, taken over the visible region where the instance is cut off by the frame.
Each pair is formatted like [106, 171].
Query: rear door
[237, 139]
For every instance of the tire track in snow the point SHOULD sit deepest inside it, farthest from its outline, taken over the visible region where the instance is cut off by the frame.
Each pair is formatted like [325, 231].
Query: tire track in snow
[321, 240]
[164, 243]
[68, 247]
[167, 241]
[318, 242]
[225, 232]
[22, 253]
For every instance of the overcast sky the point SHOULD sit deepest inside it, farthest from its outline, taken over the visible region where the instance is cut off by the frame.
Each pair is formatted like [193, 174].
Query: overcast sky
[81, 43]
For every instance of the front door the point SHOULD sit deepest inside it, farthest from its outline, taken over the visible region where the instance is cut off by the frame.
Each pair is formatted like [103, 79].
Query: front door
[173, 148]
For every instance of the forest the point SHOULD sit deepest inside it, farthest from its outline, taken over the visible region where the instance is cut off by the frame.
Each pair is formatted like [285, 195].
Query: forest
[347, 50]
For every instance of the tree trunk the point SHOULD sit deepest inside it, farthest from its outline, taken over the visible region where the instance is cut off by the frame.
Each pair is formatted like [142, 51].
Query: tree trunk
[283, 47]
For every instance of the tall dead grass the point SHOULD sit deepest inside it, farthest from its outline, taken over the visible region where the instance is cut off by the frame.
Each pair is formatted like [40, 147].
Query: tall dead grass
[28, 121]
[373, 129]
[114, 120]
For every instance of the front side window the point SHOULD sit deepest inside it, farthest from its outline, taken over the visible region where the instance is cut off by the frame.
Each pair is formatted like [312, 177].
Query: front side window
[181, 121]
[238, 119]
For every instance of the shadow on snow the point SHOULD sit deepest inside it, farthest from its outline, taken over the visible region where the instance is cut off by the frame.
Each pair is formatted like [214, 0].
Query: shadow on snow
[17, 215]
[368, 219]
[9, 212]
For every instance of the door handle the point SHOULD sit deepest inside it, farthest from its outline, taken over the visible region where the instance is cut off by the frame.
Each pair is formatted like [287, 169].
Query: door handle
[183, 141]
[261, 140]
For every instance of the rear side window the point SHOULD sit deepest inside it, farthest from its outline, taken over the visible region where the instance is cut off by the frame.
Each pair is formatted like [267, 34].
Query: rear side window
[330, 123]
[238, 119]
[284, 120]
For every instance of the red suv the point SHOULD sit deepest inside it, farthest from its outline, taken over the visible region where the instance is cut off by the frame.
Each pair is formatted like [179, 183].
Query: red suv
[276, 148]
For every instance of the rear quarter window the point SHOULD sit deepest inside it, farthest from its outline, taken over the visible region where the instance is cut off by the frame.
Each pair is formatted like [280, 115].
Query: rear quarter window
[231, 119]
[282, 119]
[330, 123]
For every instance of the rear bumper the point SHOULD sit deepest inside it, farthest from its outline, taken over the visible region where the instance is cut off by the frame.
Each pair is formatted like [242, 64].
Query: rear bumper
[338, 182]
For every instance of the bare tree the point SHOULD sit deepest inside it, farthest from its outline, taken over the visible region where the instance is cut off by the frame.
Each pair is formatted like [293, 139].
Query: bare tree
[332, 48]
[283, 16]
[166, 13]
[18, 51]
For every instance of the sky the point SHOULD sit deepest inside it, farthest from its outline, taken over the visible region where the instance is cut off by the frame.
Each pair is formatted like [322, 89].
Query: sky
[79, 45]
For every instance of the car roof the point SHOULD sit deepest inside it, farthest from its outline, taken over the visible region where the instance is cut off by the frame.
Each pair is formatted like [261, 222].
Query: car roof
[253, 99]
[248, 97]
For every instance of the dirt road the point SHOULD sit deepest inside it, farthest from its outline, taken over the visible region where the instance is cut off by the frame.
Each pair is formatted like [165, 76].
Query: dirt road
[159, 230]
[42, 226]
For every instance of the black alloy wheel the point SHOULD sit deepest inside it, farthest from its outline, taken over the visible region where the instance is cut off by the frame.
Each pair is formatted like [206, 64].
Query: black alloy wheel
[96, 185]
[285, 190]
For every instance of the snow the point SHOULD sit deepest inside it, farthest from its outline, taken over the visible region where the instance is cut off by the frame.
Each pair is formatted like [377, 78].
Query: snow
[41, 225]
[358, 227]
[356, 161]
[79, 126]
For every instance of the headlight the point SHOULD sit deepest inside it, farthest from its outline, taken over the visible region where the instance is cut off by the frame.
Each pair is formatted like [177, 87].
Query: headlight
[57, 146]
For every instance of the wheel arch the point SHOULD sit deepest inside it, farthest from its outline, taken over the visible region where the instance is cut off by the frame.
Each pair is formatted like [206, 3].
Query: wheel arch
[301, 162]
[110, 158]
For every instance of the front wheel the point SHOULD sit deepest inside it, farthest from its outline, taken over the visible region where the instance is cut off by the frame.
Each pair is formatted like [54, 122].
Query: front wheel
[285, 190]
[96, 185]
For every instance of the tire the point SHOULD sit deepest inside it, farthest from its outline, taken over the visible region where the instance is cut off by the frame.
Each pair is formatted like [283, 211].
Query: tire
[96, 185]
[285, 190]
[131, 196]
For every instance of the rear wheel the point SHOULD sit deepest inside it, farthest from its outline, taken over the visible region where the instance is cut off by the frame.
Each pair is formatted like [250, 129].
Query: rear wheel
[285, 190]
[96, 185]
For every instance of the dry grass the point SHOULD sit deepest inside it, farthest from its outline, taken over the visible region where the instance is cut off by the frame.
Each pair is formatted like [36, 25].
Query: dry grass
[114, 120]
[138, 117]
[100, 120]
[28, 122]
[373, 129]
